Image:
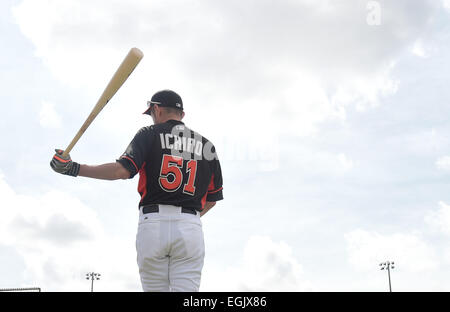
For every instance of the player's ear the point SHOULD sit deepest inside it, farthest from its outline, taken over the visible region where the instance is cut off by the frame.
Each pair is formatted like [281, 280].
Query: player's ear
[182, 115]
[158, 110]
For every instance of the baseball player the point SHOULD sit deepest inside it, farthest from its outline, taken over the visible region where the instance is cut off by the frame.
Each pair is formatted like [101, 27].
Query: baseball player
[180, 179]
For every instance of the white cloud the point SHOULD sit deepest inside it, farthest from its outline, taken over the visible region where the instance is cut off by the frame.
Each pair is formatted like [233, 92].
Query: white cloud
[366, 250]
[48, 117]
[265, 266]
[345, 162]
[304, 67]
[54, 218]
[446, 4]
[322, 162]
[420, 257]
[420, 49]
[440, 220]
[60, 239]
[443, 163]
[426, 142]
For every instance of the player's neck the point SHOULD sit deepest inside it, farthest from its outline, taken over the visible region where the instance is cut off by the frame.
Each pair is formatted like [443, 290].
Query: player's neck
[167, 118]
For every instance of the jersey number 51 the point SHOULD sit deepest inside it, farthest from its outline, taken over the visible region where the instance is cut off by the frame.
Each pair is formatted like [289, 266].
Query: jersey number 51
[172, 165]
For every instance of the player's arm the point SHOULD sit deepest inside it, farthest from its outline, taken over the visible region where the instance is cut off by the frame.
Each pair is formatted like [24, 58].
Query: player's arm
[109, 171]
[126, 167]
[208, 205]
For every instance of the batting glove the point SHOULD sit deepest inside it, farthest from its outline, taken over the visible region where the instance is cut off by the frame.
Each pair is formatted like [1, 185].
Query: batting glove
[64, 165]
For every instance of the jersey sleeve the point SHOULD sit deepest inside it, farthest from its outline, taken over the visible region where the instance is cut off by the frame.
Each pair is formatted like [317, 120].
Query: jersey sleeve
[215, 188]
[137, 151]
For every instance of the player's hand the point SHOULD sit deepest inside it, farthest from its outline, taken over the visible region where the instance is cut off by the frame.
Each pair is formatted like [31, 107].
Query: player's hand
[64, 165]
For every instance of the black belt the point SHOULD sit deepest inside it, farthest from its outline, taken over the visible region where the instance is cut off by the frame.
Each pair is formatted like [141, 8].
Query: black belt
[155, 208]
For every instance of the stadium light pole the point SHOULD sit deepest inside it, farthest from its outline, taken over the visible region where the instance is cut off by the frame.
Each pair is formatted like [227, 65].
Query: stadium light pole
[91, 276]
[388, 266]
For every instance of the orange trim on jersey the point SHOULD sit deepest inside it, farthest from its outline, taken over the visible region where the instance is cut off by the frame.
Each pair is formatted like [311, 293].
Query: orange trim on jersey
[210, 188]
[212, 192]
[132, 161]
[204, 200]
[142, 186]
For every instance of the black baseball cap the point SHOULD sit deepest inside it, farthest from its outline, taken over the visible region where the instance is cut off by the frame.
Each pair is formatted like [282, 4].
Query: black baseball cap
[165, 98]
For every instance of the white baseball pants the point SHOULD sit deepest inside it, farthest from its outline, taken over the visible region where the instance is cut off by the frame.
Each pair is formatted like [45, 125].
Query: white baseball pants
[170, 250]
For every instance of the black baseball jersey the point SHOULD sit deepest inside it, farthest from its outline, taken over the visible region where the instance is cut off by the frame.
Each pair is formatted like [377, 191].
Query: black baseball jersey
[176, 166]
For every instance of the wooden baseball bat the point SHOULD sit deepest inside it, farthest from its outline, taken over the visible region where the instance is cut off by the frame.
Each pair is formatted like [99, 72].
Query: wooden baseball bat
[120, 76]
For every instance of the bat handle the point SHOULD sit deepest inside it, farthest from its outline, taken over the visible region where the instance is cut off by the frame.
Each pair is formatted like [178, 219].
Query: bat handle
[66, 152]
[71, 145]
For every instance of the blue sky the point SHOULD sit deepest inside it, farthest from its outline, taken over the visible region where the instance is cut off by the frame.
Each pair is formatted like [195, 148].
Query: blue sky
[332, 133]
